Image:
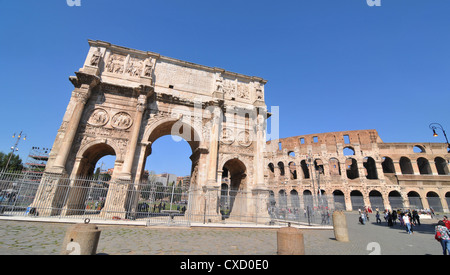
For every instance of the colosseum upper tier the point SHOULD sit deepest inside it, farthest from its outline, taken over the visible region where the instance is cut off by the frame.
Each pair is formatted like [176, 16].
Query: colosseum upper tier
[357, 169]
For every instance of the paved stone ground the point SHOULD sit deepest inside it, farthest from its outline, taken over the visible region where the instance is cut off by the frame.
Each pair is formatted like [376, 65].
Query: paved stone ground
[31, 238]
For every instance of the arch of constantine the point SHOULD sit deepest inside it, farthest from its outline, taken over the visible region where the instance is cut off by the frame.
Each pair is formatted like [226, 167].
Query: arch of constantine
[125, 99]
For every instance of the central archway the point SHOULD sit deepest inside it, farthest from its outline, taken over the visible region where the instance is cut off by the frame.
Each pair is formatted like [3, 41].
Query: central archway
[124, 202]
[175, 128]
[234, 172]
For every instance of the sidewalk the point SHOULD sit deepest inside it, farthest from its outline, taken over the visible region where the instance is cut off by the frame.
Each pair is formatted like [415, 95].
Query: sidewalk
[28, 238]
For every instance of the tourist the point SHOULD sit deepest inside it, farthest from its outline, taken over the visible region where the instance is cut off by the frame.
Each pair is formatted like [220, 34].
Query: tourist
[432, 212]
[443, 236]
[416, 217]
[400, 218]
[378, 216]
[394, 217]
[390, 219]
[447, 222]
[407, 222]
[366, 213]
[362, 218]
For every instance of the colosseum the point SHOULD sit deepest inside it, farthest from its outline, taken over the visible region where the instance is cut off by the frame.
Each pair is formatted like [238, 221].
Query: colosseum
[356, 169]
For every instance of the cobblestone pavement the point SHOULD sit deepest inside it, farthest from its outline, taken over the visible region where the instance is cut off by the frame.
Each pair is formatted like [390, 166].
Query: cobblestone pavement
[30, 238]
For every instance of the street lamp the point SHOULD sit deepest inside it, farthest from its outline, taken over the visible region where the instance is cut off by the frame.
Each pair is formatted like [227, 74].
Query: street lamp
[434, 126]
[14, 148]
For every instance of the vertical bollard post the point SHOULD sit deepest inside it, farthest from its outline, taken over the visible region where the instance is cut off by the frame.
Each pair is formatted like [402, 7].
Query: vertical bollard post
[340, 226]
[290, 241]
[81, 239]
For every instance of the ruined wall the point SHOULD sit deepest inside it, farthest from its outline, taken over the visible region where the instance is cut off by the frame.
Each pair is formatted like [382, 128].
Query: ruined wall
[358, 162]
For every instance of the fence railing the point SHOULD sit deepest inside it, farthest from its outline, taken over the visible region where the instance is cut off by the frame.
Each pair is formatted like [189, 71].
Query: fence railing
[27, 194]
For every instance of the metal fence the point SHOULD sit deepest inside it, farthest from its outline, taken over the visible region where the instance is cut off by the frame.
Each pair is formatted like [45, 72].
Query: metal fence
[24, 194]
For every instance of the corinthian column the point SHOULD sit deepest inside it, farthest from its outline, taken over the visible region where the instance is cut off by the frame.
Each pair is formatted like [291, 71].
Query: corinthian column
[80, 96]
[259, 154]
[129, 157]
[214, 147]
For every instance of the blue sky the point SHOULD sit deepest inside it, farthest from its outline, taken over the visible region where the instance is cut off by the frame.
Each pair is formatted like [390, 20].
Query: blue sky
[331, 65]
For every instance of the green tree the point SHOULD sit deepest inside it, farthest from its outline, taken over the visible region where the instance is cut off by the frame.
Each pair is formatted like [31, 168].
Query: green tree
[14, 165]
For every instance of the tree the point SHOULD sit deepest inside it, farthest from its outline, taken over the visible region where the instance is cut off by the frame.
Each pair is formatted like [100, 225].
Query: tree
[147, 187]
[15, 163]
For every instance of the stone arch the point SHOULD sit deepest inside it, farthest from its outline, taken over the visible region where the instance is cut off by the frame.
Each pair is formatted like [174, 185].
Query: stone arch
[395, 200]
[238, 184]
[349, 151]
[83, 170]
[357, 200]
[308, 199]
[434, 201]
[334, 167]
[244, 163]
[319, 166]
[388, 165]
[352, 168]
[441, 166]
[89, 154]
[292, 170]
[305, 169]
[419, 149]
[295, 199]
[175, 127]
[376, 199]
[406, 166]
[282, 198]
[415, 201]
[339, 200]
[282, 169]
[424, 166]
[271, 171]
[371, 169]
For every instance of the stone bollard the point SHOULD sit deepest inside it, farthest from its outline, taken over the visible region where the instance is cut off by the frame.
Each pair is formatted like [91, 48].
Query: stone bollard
[290, 241]
[81, 239]
[340, 226]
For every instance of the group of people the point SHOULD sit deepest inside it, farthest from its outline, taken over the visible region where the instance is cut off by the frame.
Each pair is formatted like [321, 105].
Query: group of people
[408, 219]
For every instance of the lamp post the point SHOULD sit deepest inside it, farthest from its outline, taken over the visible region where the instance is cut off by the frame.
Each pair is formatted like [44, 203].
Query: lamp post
[311, 169]
[434, 126]
[14, 148]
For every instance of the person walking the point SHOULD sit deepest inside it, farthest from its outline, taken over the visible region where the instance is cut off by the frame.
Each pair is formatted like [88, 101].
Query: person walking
[442, 235]
[400, 218]
[362, 218]
[394, 217]
[407, 223]
[378, 216]
[416, 217]
[447, 222]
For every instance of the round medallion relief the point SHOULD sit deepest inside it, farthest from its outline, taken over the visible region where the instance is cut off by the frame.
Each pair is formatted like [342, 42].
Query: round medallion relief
[99, 117]
[227, 136]
[245, 138]
[121, 121]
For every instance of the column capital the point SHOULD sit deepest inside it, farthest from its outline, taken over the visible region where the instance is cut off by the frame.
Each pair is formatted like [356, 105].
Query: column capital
[141, 103]
[81, 94]
[84, 79]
